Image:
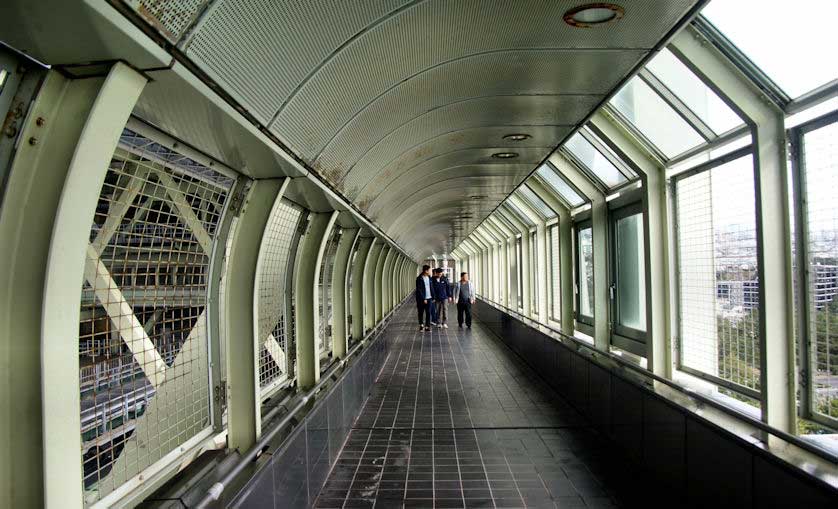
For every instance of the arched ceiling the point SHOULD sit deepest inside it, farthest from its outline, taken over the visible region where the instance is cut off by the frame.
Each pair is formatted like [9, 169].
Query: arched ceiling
[401, 104]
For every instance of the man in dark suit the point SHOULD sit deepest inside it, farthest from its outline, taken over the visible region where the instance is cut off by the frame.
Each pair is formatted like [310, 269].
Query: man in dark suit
[424, 297]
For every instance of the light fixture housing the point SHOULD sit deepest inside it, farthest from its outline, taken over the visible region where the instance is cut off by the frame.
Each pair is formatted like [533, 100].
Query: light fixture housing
[593, 15]
[517, 137]
[505, 155]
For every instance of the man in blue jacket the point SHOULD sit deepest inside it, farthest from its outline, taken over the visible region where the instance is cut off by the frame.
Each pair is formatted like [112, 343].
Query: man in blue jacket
[424, 297]
[441, 291]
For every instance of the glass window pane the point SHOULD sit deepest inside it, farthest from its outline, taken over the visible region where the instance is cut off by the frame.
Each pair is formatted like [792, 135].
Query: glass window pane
[820, 153]
[717, 272]
[631, 273]
[518, 213]
[655, 119]
[555, 288]
[792, 45]
[586, 272]
[534, 201]
[597, 163]
[695, 94]
[558, 184]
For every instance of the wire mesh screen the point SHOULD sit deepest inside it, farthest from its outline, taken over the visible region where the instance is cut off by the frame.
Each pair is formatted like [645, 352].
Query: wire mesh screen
[325, 287]
[272, 281]
[820, 157]
[553, 267]
[717, 273]
[143, 333]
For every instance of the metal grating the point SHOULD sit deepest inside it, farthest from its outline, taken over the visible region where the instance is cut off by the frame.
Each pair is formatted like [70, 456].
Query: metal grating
[325, 288]
[170, 17]
[272, 282]
[378, 167]
[144, 381]
[384, 102]
[475, 112]
[820, 157]
[262, 50]
[388, 54]
[718, 275]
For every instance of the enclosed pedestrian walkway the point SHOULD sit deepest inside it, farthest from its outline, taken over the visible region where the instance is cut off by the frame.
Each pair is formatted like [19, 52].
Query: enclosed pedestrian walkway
[213, 214]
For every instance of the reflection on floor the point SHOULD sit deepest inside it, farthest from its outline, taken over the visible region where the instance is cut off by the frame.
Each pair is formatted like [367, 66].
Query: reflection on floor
[457, 420]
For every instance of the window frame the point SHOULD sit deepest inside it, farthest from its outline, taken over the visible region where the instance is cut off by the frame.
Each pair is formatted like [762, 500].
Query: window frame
[623, 337]
[806, 384]
[584, 323]
[676, 285]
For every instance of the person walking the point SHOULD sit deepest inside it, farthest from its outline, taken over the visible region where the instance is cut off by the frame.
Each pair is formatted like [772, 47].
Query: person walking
[442, 294]
[464, 295]
[424, 297]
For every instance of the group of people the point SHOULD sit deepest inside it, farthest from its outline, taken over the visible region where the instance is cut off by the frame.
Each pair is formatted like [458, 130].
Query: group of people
[434, 292]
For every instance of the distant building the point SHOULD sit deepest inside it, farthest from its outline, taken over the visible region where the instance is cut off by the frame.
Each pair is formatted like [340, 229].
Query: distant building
[825, 284]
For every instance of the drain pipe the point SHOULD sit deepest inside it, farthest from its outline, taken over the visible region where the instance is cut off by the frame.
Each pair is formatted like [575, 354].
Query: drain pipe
[215, 491]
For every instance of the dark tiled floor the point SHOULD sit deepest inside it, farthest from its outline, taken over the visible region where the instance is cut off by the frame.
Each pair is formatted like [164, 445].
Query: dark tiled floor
[457, 420]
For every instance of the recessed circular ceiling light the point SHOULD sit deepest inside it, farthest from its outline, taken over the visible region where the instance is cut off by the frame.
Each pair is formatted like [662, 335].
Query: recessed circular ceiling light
[517, 137]
[591, 15]
[505, 155]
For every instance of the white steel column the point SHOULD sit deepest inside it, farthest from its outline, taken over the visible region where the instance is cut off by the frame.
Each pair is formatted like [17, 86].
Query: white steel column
[306, 296]
[340, 275]
[379, 282]
[243, 344]
[56, 175]
[369, 284]
[359, 287]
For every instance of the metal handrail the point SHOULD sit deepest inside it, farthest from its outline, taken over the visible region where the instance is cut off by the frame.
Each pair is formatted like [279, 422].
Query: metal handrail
[215, 491]
[691, 393]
